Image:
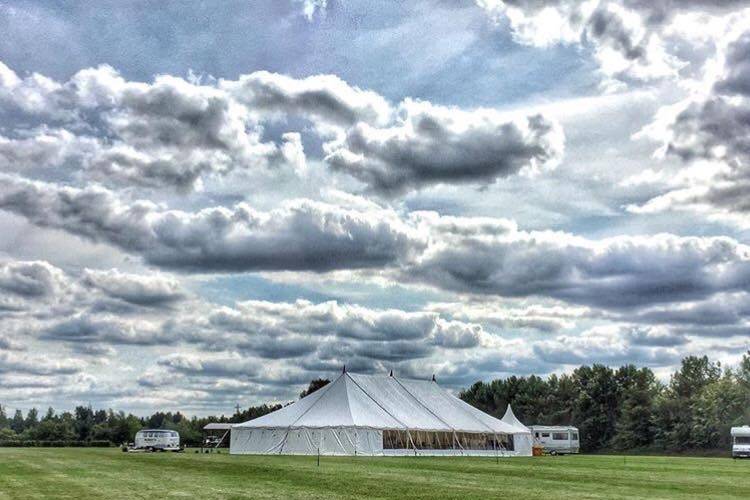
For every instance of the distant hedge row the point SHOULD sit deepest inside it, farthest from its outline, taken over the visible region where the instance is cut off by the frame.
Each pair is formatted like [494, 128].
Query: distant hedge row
[55, 444]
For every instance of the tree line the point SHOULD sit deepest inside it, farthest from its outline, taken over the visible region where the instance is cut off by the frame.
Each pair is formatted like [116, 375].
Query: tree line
[626, 408]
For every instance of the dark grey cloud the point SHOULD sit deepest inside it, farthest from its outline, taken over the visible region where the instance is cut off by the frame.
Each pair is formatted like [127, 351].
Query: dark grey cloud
[22, 363]
[606, 26]
[478, 256]
[168, 133]
[719, 312]
[430, 144]
[30, 279]
[10, 344]
[92, 329]
[143, 290]
[614, 273]
[325, 98]
[215, 366]
[736, 79]
[303, 235]
[654, 337]
[611, 346]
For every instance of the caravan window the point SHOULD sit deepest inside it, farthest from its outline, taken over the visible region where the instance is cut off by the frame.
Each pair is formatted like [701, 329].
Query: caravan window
[560, 436]
[742, 440]
[545, 434]
[574, 436]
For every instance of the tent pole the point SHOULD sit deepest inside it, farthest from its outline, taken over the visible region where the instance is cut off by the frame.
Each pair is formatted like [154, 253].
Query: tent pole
[412, 442]
[494, 446]
[318, 456]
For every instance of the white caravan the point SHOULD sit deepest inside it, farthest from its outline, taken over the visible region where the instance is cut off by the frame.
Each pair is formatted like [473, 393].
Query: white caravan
[741, 442]
[157, 440]
[557, 440]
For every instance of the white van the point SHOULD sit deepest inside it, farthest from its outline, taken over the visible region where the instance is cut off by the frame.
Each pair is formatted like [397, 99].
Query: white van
[157, 439]
[556, 440]
[741, 442]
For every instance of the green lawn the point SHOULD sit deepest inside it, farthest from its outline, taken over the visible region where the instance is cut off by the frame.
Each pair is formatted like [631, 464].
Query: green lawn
[109, 473]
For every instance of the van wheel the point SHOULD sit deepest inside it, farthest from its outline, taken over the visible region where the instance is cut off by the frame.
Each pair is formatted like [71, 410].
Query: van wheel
[553, 453]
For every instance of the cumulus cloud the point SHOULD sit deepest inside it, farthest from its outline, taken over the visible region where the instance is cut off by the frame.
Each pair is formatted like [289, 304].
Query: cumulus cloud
[632, 40]
[31, 279]
[152, 290]
[276, 330]
[612, 273]
[610, 345]
[174, 132]
[303, 235]
[230, 350]
[88, 329]
[22, 363]
[325, 98]
[711, 128]
[10, 344]
[234, 366]
[166, 133]
[548, 319]
[431, 144]
[477, 256]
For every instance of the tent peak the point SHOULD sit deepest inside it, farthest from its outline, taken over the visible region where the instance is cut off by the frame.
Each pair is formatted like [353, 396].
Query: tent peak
[511, 419]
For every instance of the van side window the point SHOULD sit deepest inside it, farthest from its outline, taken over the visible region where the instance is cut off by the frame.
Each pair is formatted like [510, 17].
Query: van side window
[545, 434]
[574, 436]
[560, 436]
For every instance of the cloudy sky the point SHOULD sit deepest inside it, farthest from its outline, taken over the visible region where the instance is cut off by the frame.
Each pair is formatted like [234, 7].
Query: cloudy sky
[202, 206]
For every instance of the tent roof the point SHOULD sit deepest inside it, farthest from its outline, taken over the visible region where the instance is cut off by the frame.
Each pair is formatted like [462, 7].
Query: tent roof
[382, 402]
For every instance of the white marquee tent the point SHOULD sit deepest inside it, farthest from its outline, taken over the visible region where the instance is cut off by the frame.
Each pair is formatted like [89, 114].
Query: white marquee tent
[381, 415]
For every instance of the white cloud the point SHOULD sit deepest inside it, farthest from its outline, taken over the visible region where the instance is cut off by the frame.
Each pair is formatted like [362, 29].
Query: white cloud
[632, 40]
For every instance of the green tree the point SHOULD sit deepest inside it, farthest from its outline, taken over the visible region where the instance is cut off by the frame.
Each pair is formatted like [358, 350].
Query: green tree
[595, 409]
[32, 419]
[4, 422]
[634, 427]
[7, 434]
[50, 415]
[84, 422]
[17, 423]
[314, 385]
[675, 415]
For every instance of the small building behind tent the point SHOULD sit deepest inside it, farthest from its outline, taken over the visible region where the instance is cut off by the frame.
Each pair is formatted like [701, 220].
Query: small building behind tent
[740, 442]
[557, 440]
[381, 415]
[216, 435]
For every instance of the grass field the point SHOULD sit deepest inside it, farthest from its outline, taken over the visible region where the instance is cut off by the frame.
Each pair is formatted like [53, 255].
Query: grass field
[109, 473]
